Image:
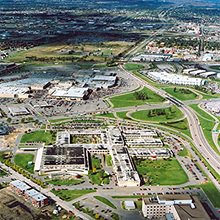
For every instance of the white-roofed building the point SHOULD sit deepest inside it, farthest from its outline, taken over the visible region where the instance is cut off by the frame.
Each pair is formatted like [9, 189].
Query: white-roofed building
[19, 187]
[164, 77]
[129, 205]
[14, 92]
[71, 94]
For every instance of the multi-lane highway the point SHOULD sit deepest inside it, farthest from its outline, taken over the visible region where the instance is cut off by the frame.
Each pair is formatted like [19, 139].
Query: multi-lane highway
[197, 134]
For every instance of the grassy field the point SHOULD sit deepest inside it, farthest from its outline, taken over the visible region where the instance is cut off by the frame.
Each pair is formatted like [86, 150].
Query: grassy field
[181, 126]
[122, 115]
[22, 161]
[158, 115]
[109, 160]
[68, 195]
[161, 172]
[2, 173]
[106, 115]
[100, 52]
[212, 192]
[133, 67]
[183, 153]
[105, 201]
[97, 175]
[207, 123]
[65, 182]
[181, 93]
[138, 97]
[47, 137]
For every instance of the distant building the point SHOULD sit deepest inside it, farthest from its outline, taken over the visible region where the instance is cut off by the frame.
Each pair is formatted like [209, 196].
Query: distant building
[164, 77]
[18, 110]
[176, 207]
[72, 93]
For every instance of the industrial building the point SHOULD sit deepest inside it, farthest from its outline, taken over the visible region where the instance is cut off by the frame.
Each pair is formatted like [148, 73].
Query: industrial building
[178, 207]
[151, 57]
[170, 78]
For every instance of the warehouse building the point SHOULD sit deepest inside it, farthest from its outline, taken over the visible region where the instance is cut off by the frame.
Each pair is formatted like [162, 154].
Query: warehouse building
[168, 78]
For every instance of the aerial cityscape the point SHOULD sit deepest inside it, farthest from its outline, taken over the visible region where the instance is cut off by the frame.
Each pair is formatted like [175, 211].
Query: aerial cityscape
[110, 109]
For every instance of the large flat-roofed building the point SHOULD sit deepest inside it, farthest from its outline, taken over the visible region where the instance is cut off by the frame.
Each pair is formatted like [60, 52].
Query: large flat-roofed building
[164, 77]
[177, 207]
[18, 110]
[103, 81]
[73, 93]
[65, 157]
[14, 92]
[150, 153]
[126, 173]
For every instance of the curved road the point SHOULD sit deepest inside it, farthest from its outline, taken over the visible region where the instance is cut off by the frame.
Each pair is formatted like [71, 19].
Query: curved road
[197, 134]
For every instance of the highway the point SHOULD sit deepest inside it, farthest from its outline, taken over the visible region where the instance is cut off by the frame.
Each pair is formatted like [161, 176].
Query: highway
[199, 140]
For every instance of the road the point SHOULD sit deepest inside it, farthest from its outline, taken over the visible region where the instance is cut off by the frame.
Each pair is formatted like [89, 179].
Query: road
[197, 134]
[65, 205]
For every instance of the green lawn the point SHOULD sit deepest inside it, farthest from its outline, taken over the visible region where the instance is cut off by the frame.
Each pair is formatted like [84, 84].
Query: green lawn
[2, 173]
[107, 115]
[181, 126]
[109, 160]
[183, 153]
[22, 161]
[161, 172]
[181, 93]
[99, 177]
[69, 195]
[138, 97]
[207, 123]
[65, 182]
[122, 115]
[58, 120]
[47, 137]
[212, 192]
[158, 115]
[96, 163]
[105, 201]
[133, 67]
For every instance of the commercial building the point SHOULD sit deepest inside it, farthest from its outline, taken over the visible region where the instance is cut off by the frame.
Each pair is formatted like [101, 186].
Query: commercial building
[164, 77]
[72, 93]
[177, 207]
[14, 92]
[103, 81]
[18, 110]
[151, 57]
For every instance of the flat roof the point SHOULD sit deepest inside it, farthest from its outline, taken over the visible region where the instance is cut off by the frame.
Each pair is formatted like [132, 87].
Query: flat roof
[20, 185]
[34, 194]
[72, 92]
